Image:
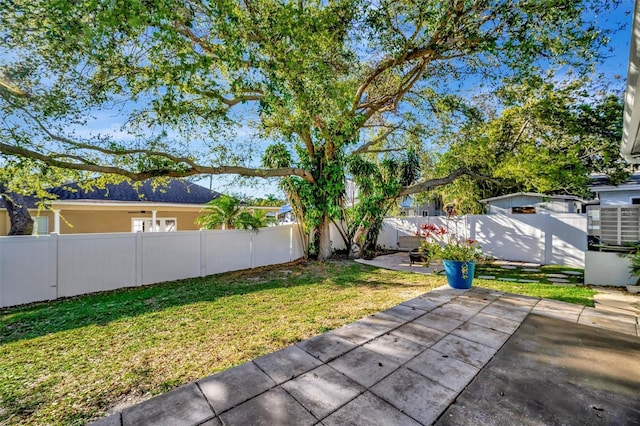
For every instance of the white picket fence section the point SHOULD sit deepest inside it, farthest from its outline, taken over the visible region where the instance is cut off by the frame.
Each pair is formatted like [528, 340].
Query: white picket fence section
[51, 266]
[559, 239]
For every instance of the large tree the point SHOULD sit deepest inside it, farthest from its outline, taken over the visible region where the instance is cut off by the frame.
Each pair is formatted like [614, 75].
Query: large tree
[318, 81]
[544, 136]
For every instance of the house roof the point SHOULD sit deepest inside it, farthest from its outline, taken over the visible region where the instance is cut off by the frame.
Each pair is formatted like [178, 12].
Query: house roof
[407, 203]
[175, 191]
[630, 145]
[533, 194]
[602, 182]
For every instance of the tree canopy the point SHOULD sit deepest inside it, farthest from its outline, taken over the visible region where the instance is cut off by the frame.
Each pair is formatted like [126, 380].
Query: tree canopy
[313, 82]
[545, 137]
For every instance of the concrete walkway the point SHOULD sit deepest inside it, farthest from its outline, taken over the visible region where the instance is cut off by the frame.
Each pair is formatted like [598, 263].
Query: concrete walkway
[404, 366]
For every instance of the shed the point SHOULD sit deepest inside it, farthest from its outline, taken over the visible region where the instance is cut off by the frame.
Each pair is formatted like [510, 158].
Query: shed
[533, 202]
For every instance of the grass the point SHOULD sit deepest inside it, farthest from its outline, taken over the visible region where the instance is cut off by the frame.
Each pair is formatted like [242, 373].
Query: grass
[71, 361]
[520, 273]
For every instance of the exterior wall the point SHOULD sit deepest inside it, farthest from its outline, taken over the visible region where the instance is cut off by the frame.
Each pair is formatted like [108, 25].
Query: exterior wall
[104, 221]
[607, 269]
[552, 206]
[546, 239]
[95, 222]
[4, 223]
[617, 198]
[51, 266]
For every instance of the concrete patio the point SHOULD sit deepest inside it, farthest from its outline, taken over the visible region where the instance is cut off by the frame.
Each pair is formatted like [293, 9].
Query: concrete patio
[433, 359]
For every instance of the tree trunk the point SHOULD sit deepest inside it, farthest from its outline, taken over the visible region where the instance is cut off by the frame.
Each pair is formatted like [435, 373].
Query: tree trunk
[21, 222]
[324, 244]
[356, 251]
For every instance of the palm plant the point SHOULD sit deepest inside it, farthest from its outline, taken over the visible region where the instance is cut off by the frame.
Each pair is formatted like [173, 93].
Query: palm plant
[228, 212]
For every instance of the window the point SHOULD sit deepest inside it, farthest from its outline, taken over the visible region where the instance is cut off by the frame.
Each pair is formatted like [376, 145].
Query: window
[40, 225]
[523, 210]
[635, 201]
[163, 224]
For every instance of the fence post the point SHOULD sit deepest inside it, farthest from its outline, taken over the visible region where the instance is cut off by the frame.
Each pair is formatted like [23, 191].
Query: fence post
[545, 228]
[53, 261]
[138, 246]
[290, 243]
[203, 254]
[251, 250]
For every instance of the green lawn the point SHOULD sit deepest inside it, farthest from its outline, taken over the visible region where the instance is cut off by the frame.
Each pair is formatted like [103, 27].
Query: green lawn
[491, 269]
[68, 362]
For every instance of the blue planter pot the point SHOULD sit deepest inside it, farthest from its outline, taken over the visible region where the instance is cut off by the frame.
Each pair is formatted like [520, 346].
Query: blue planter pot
[459, 274]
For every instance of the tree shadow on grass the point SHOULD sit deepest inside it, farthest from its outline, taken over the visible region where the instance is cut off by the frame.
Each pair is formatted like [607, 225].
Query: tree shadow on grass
[39, 319]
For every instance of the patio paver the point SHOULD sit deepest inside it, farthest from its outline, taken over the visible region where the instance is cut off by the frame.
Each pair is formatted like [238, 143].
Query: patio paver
[183, 406]
[368, 409]
[323, 390]
[418, 334]
[479, 334]
[364, 366]
[443, 369]
[495, 323]
[465, 350]
[235, 386]
[327, 346]
[418, 397]
[439, 321]
[275, 407]
[395, 348]
[287, 363]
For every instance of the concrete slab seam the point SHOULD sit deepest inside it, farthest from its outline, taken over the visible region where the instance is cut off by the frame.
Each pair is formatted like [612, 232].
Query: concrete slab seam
[299, 402]
[365, 389]
[208, 402]
[397, 408]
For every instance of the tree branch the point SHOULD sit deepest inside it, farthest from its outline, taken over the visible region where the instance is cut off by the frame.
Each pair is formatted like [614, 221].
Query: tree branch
[365, 147]
[228, 102]
[10, 87]
[194, 169]
[433, 183]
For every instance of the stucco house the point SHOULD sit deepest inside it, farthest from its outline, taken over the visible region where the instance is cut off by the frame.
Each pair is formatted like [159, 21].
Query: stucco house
[121, 207]
[533, 202]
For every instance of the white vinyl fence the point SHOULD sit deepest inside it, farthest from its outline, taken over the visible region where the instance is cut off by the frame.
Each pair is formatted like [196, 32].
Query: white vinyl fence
[559, 239]
[52, 266]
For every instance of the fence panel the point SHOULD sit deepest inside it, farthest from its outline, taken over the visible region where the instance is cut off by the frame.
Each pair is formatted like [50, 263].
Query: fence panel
[568, 242]
[507, 237]
[297, 247]
[227, 251]
[27, 269]
[168, 256]
[95, 262]
[538, 238]
[272, 246]
[46, 267]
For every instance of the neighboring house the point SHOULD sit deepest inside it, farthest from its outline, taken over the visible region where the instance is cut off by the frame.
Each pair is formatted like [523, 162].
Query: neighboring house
[285, 215]
[351, 193]
[626, 193]
[532, 202]
[432, 207]
[119, 207]
[616, 220]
